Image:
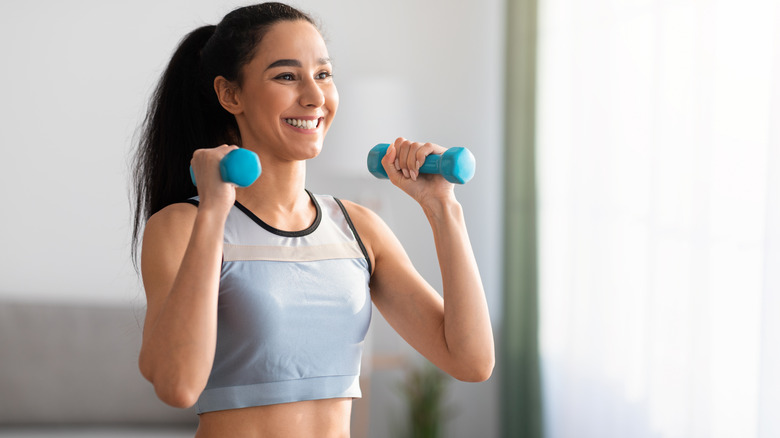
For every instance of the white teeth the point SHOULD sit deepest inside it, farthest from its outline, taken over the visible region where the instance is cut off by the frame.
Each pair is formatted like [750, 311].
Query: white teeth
[303, 124]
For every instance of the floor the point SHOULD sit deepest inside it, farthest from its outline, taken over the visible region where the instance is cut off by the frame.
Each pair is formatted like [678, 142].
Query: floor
[96, 432]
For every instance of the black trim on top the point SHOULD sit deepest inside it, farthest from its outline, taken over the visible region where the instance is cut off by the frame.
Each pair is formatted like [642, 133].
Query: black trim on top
[195, 202]
[357, 236]
[283, 233]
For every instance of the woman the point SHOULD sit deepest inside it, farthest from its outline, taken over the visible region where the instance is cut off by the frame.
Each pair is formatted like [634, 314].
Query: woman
[259, 298]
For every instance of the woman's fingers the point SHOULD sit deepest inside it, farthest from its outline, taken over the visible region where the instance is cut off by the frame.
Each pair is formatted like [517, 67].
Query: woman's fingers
[211, 188]
[403, 148]
[409, 156]
[421, 152]
[393, 161]
[390, 161]
[206, 161]
[402, 162]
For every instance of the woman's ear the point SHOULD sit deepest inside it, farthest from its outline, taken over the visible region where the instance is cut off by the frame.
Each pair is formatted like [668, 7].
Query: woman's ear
[227, 93]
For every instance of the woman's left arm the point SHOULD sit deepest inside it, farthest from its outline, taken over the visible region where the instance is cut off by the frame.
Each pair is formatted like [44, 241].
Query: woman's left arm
[453, 332]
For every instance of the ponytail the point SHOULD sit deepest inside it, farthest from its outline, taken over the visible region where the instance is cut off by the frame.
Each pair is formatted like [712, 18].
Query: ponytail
[184, 113]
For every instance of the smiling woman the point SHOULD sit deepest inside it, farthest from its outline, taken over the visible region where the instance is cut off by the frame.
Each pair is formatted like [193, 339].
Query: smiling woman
[259, 298]
[273, 90]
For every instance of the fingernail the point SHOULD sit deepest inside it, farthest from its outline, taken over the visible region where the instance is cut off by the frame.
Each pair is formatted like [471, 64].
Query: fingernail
[397, 165]
[406, 173]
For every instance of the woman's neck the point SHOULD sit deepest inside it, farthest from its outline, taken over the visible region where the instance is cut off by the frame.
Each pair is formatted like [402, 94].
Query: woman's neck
[279, 198]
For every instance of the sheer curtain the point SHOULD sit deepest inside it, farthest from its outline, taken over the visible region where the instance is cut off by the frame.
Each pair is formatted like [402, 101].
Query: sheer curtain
[659, 218]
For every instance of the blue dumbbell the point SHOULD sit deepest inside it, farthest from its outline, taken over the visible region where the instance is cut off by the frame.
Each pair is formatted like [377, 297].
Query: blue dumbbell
[456, 165]
[240, 167]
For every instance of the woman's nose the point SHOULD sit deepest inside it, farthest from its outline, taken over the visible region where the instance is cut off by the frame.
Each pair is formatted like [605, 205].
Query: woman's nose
[312, 94]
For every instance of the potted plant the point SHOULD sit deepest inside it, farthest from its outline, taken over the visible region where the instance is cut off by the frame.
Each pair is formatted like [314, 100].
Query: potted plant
[424, 390]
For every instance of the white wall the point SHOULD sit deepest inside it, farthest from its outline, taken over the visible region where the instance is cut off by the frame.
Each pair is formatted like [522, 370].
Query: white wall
[77, 76]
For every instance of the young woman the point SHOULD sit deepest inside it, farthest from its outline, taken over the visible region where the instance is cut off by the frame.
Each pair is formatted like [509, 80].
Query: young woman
[259, 298]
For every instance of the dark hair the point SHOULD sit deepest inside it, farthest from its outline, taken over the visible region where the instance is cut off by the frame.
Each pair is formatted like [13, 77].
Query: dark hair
[184, 113]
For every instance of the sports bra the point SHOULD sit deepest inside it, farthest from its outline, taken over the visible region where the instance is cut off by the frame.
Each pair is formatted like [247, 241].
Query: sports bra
[293, 311]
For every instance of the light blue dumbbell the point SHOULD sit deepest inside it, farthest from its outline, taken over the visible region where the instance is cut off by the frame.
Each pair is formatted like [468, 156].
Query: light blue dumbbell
[456, 165]
[240, 167]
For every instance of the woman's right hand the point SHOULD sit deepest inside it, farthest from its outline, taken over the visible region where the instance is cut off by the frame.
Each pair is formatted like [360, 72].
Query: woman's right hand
[213, 192]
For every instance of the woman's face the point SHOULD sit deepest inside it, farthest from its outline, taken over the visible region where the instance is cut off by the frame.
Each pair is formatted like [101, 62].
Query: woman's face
[288, 98]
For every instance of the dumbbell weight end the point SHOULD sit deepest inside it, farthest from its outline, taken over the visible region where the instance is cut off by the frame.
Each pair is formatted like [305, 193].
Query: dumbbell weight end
[240, 167]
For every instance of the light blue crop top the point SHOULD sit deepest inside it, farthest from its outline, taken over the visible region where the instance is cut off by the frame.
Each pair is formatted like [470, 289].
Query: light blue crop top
[293, 312]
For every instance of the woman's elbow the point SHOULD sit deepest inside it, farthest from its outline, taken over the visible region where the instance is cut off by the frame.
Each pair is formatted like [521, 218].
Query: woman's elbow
[176, 392]
[178, 396]
[478, 375]
[477, 371]
[144, 366]
[173, 392]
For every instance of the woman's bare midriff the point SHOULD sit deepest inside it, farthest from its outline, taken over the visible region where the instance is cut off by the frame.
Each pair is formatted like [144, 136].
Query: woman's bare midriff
[316, 418]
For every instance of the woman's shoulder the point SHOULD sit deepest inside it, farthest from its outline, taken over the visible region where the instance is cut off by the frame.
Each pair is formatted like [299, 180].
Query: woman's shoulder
[180, 215]
[361, 215]
[372, 229]
[165, 239]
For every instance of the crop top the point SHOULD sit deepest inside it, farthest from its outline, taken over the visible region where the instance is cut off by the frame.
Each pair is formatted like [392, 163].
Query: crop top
[293, 311]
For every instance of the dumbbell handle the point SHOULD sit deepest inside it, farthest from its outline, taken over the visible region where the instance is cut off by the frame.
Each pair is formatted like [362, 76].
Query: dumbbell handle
[239, 166]
[456, 165]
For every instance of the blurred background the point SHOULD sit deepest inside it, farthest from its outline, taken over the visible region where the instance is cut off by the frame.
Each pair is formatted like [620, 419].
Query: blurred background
[625, 212]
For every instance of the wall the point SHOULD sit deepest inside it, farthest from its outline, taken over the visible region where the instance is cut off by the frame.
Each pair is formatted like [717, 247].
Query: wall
[77, 77]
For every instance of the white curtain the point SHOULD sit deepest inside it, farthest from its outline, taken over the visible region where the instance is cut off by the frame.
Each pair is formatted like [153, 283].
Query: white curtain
[659, 217]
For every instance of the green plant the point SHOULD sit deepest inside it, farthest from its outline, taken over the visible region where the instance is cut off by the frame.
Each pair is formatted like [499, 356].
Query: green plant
[424, 389]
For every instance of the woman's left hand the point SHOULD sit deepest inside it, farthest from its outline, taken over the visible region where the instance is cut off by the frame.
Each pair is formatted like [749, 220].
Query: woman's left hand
[402, 163]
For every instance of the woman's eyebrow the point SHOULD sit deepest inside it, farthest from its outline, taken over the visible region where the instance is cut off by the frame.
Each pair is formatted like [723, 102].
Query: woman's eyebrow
[294, 63]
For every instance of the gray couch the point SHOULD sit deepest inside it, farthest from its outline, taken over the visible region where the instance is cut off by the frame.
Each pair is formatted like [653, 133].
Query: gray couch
[70, 370]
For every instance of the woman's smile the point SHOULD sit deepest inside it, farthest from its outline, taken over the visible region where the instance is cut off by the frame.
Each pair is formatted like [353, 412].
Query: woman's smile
[307, 125]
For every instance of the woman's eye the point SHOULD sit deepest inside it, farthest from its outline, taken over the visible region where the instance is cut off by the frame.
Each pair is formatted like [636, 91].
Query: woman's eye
[324, 75]
[286, 77]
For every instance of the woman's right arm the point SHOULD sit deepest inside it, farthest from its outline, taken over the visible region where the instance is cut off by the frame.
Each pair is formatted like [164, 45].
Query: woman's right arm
[181, 260]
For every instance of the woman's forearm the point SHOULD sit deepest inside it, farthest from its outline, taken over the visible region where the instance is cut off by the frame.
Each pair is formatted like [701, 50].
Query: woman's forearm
[467, 328]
